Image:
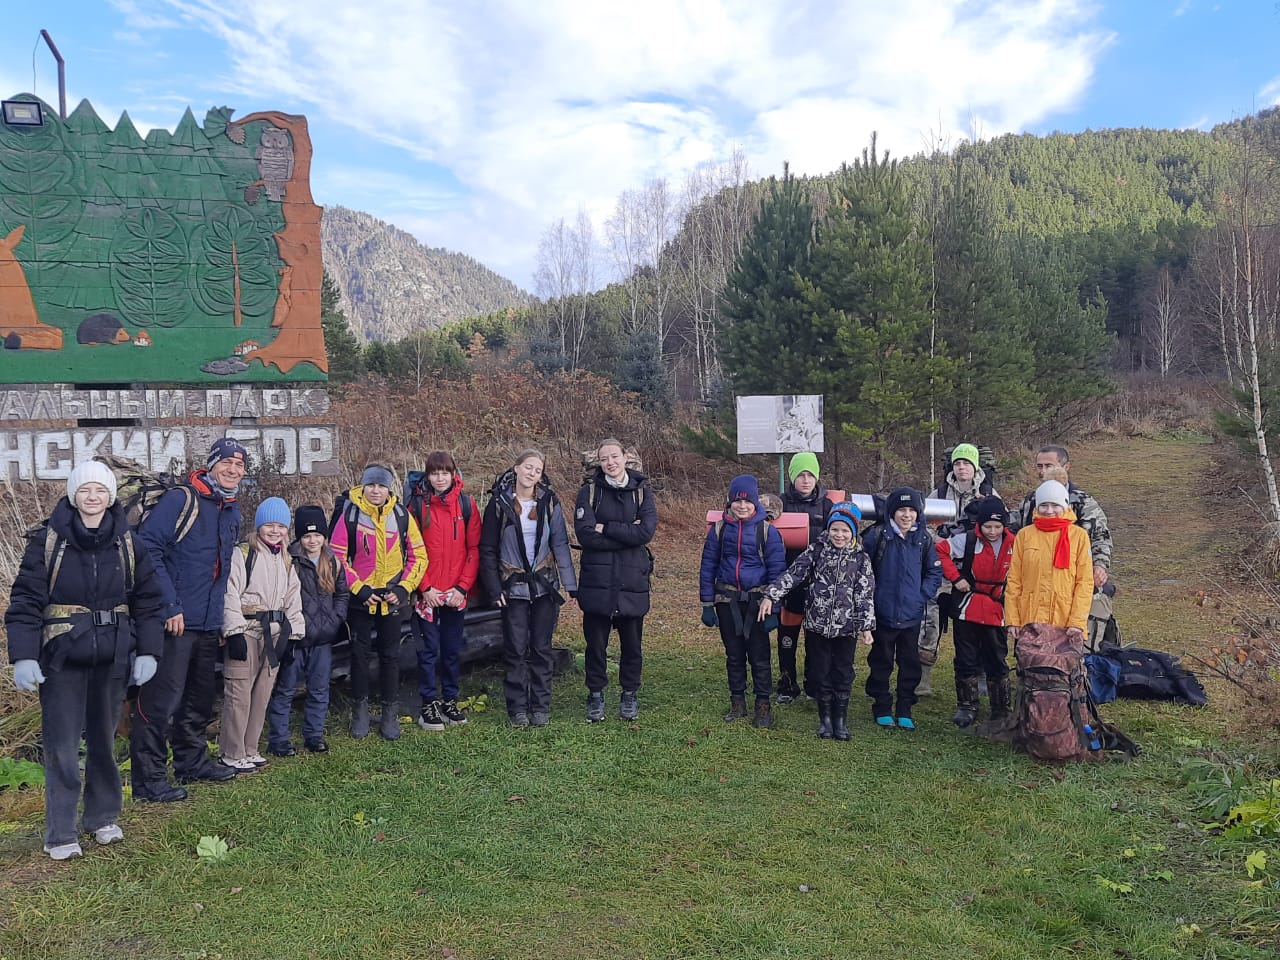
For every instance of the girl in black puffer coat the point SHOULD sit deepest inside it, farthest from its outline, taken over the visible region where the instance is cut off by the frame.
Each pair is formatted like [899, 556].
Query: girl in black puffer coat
[85, 602]
[615, 519]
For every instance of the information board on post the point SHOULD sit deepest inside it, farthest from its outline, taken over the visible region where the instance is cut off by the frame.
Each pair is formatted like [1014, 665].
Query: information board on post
[791, 423]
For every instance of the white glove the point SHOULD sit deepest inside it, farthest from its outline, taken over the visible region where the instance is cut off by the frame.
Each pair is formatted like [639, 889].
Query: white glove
[27, 675]
[144, 668]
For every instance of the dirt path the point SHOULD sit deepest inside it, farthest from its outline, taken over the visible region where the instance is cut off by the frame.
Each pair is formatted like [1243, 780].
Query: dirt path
[1169, 537]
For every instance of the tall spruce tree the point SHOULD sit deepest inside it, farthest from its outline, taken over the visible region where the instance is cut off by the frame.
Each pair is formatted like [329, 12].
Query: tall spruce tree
[868, 288]
[767, 343]
[977, 311]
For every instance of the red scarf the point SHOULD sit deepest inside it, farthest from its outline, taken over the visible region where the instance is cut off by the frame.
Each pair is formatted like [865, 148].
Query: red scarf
[1062, 552]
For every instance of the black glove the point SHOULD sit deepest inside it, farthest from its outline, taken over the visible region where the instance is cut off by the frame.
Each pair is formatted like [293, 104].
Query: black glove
[709, 618]
[237, 647]
[364, 595]
[400, 593]
[770, 623]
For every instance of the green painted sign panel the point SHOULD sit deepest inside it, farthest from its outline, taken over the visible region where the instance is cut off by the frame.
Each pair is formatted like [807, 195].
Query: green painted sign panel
[179, 258]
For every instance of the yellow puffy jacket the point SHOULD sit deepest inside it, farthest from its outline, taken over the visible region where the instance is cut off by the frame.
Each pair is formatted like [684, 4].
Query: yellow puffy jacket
[375, 559]
[1039, 592]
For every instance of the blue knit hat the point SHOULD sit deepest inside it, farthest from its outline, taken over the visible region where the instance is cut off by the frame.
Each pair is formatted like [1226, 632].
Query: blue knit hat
[846, 513]
[271, 510]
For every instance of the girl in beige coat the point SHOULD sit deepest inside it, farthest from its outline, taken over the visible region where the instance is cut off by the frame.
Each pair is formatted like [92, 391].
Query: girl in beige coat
[262, 616]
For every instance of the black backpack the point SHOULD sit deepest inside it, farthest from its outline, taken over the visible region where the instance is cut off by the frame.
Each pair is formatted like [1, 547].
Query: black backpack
[1154, 675]
[415, 494]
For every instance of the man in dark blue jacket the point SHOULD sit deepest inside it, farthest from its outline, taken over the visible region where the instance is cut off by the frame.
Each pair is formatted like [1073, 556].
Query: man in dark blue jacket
[193, 560]
[742, 555]
[908, 573]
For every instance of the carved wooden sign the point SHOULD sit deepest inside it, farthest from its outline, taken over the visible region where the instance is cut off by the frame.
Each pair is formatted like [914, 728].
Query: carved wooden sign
[182, 258]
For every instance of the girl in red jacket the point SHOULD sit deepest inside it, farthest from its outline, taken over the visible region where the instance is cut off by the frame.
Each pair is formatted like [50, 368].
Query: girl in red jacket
[450, 524]
[976, 563]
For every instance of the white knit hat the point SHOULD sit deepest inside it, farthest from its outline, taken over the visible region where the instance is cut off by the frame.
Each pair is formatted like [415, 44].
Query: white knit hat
[1051, 491]
[91, 471]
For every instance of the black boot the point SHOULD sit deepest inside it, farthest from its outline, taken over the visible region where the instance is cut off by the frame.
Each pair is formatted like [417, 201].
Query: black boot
[840, 714]
[390, 728]
[966, 702]
[824, 719]
[998, 688]
[360, 719]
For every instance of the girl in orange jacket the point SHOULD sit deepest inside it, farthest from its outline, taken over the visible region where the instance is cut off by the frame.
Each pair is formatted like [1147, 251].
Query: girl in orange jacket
[1051, 576]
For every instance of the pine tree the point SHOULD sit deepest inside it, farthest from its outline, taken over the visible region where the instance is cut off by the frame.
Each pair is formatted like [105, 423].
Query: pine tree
[340, 344]
[868, 288]
[767, 344]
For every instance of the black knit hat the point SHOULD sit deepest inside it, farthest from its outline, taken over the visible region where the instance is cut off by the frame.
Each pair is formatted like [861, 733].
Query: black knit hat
[990, 508]
[904, 497]
[310, 519]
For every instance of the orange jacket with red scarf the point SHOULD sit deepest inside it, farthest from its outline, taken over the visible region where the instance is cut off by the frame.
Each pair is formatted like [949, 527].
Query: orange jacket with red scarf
[984, 601]
[1039, 592]
[452, 541]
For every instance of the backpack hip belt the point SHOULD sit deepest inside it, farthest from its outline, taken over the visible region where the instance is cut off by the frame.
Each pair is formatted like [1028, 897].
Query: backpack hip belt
[64, 623]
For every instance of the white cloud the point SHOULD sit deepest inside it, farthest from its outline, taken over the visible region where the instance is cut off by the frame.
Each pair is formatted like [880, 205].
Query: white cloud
[537, 108]
[1269, 96]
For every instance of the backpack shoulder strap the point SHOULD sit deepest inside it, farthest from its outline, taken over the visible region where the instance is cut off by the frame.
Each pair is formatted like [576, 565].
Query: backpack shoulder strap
[351, 518]
[882, 544]
[468, 505]
[55, 547]
[762, 536]
[127, 560]
[249, 555]
[966, 562]
[187, 515]
[402, 526]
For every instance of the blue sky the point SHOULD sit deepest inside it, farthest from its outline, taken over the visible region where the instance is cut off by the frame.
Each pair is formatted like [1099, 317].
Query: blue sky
[476, 125]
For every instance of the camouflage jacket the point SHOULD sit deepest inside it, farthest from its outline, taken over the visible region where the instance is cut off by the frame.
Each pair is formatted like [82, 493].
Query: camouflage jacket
[1089, 516]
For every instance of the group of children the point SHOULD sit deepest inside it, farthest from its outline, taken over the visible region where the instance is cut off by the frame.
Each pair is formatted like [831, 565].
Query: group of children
[849, 587]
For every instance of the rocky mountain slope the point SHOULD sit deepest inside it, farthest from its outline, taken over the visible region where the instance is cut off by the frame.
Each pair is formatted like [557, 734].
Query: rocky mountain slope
[392, 285]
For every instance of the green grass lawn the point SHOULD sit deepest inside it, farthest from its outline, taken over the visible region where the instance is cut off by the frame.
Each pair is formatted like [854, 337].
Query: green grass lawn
[676, 836]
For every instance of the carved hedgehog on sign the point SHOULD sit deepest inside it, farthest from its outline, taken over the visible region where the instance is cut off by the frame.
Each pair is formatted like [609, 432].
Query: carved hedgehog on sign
[102, 328]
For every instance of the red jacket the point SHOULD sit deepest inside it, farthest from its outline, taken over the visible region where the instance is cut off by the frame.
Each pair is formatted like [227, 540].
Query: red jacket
[984, 603]
[453, 548]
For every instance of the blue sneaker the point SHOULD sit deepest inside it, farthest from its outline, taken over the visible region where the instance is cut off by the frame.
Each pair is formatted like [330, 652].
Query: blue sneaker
[906, 723]
[886, 721]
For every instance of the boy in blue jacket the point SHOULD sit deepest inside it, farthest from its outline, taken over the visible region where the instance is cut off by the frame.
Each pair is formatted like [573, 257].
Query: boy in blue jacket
[908, 573]
[742, 555]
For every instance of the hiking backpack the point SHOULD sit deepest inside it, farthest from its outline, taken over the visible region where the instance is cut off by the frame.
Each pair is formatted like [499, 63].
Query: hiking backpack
[1153, 675]
[138, 490]
[346, 512]
[415, 493]
[1052, 709]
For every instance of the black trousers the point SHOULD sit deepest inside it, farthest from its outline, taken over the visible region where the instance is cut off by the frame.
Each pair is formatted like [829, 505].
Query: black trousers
[889, 646]
[596, 628]
[174, 709]
[740, 650]
[829, 661]
[981, 651]
[527, 627]
[75, 699]
[375, 633]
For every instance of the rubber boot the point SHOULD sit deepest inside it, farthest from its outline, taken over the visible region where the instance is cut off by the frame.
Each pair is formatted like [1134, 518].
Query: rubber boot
[998, 688]
[839, 716]
[824, 719]
[924, 688]
[966, 702]
[360, 719]
[390, 728]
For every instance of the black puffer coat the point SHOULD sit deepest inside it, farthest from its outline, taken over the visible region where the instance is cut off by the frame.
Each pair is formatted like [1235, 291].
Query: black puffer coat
[325, 613]
[817, 505]
[616, 563]
[90, 575]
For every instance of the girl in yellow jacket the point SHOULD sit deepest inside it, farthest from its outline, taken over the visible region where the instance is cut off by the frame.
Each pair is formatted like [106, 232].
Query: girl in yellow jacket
[261, 619]
[1051, 577]
[381, 549]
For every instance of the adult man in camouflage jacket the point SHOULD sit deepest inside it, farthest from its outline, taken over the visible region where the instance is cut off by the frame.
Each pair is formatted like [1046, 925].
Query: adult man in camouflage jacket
[1090, 516]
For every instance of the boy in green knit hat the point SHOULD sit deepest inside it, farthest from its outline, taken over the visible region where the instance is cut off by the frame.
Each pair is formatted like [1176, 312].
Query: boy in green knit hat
[804, 494]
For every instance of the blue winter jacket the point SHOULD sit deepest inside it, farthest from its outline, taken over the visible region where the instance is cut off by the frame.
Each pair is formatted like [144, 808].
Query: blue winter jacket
[738, 567]
[193, 573]
[908, 574]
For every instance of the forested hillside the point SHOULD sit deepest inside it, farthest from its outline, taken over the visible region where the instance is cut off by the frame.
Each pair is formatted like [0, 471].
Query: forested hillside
[390, 285]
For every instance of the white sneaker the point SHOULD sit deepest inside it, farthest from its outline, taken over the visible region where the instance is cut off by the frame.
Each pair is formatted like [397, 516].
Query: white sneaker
[240, 766]
[108, 834]
[63, 851]
[257, 760]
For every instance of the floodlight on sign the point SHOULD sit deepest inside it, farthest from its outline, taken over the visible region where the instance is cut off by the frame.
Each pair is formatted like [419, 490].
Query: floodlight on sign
[22, 113]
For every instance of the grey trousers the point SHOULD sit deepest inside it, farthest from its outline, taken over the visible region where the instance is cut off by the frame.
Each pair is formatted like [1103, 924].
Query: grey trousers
[72, 700]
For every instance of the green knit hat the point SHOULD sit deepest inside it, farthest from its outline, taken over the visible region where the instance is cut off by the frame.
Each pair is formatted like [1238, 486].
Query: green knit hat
[802, 462]
[965, 451]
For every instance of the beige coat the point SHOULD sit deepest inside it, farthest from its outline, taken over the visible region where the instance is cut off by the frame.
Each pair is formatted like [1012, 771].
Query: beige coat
[247, 684]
